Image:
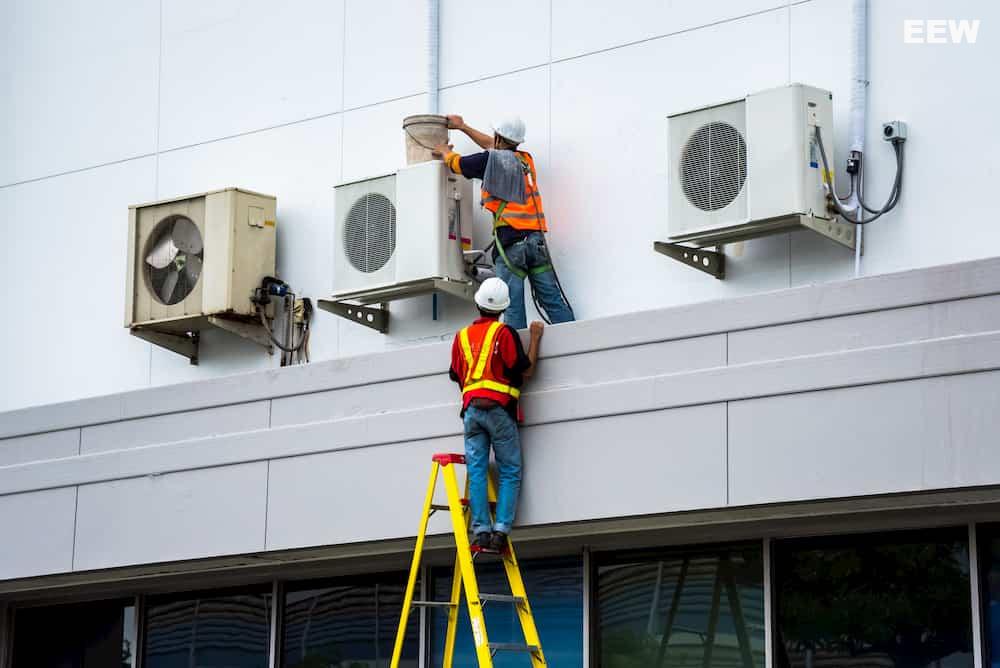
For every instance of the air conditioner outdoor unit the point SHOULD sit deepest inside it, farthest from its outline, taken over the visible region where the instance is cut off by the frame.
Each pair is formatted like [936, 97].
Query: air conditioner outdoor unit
[751, 167]
[402, 234]
[195, 261]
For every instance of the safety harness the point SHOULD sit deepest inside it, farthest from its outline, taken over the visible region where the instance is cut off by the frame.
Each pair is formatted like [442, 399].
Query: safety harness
[476, 368]
[498, 222]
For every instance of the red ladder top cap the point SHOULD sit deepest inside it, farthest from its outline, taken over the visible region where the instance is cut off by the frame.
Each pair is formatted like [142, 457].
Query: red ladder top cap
[444, 458]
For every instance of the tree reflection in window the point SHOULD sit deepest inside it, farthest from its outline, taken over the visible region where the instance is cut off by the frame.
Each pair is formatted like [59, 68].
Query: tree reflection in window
[699, 607]
[895, 600]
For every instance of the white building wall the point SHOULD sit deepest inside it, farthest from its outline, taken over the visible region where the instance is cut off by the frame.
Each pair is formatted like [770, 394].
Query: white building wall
[114, 102]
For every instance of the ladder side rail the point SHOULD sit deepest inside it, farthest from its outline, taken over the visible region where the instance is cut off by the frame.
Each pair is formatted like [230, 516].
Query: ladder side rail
[464, 552]
[456, 593]
[411, 583]
[516, 582]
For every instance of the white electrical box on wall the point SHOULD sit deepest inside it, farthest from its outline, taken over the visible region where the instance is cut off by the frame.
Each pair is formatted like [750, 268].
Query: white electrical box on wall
[751, 167]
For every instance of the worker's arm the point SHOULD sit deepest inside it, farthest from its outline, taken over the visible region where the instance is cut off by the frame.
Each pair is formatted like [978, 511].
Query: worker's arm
[456, 122]
[535, 331]
[470, 166]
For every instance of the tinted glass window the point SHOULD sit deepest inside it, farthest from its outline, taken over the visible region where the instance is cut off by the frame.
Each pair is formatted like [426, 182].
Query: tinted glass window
[348, 624]
[88, 635]
[989, 541]
[895, 600]
[217, 630]
[693, 608]
[555, 591]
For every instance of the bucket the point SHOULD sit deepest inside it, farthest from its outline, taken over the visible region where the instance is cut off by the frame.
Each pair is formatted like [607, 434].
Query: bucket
[423, 132]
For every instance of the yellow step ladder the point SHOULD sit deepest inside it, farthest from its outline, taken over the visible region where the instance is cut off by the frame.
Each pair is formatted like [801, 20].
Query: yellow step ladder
[465, 577]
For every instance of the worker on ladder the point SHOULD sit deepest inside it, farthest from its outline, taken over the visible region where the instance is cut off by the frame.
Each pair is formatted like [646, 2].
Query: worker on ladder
[510, 192]
[489, 363]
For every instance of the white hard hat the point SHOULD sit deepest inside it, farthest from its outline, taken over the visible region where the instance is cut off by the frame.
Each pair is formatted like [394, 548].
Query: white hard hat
[493, 295]
[511, 129]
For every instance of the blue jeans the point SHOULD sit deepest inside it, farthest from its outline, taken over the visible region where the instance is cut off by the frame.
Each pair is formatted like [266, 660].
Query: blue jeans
[527, 254]
[482, 428]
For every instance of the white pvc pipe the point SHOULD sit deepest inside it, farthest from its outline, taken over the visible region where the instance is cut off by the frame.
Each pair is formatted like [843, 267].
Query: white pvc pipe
[433, 54]
[434, 85]
[859, 104]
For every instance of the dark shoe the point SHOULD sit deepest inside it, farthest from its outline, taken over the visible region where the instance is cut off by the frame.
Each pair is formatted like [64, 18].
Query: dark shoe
[483, 540]
[498, 541]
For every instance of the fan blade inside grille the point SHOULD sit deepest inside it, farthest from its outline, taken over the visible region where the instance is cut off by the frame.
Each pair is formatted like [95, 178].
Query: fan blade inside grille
[163, 253]
[192, 269]
[186, 237]
[169, 285]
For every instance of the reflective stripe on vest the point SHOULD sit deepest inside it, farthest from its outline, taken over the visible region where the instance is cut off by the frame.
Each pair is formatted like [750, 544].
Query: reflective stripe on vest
[475, 368]
[527, 216]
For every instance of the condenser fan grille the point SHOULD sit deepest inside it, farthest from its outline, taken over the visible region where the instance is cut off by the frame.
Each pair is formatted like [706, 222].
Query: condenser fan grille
[173, 259]
[713, 166]
[370, 232]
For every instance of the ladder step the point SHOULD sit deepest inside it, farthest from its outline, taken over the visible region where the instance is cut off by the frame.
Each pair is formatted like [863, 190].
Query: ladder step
[502, 598]
[513, 647]
[465, 504]
[486, 551]
[431, 604]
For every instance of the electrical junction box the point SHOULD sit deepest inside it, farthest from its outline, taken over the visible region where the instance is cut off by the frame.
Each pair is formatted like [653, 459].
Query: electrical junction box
[751, 167]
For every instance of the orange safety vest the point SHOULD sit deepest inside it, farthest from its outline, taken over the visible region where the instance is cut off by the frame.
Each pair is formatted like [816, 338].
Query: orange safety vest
[478, 346]
[527, 216]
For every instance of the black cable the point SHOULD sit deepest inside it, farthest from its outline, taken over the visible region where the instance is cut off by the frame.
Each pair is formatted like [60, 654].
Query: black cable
[893, 195]
[898, 149]
[267, 328]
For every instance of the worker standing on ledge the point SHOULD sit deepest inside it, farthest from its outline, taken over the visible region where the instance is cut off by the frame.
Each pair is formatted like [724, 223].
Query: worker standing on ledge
[488, 362]
[510, 193]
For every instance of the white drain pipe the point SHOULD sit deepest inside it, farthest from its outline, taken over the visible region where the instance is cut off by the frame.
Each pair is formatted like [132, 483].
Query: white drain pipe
[859, 104]
[433, 54]
[433, 82]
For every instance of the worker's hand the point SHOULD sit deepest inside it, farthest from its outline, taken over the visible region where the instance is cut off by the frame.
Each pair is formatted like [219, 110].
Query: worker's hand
[536, 328]
[441, 150]
[455, 122]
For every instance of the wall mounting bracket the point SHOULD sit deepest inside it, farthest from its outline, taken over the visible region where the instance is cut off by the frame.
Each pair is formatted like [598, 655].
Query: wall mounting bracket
[710, 262]
[253, 331]
[356, 306]
[185, 344]
[376, 317]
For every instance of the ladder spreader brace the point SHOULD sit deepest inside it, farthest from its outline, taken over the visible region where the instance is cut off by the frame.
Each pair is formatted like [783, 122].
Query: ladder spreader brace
[464, 577]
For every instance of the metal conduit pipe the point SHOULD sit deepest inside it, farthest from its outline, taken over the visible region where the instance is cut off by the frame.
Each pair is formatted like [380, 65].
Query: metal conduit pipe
[433, 82]
[859, 104]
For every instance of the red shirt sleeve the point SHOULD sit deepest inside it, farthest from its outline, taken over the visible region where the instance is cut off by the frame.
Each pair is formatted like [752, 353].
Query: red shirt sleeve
[457, 370]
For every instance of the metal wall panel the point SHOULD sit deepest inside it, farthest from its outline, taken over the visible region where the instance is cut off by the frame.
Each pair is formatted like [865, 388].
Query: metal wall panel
[352, 495]
[638, 464]
[877, 439]
[878, 328]
[37, 530]
[174, 427]
[184, 515]
[49, 445]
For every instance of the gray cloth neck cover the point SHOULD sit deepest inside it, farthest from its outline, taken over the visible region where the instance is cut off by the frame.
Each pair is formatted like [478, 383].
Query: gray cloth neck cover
[504, 176]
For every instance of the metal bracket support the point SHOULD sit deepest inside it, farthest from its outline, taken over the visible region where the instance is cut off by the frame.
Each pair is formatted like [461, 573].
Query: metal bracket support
[182, 344]
[376, 318]
[461, 289]
[248, 330]
[842, 232]
[710, 262]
